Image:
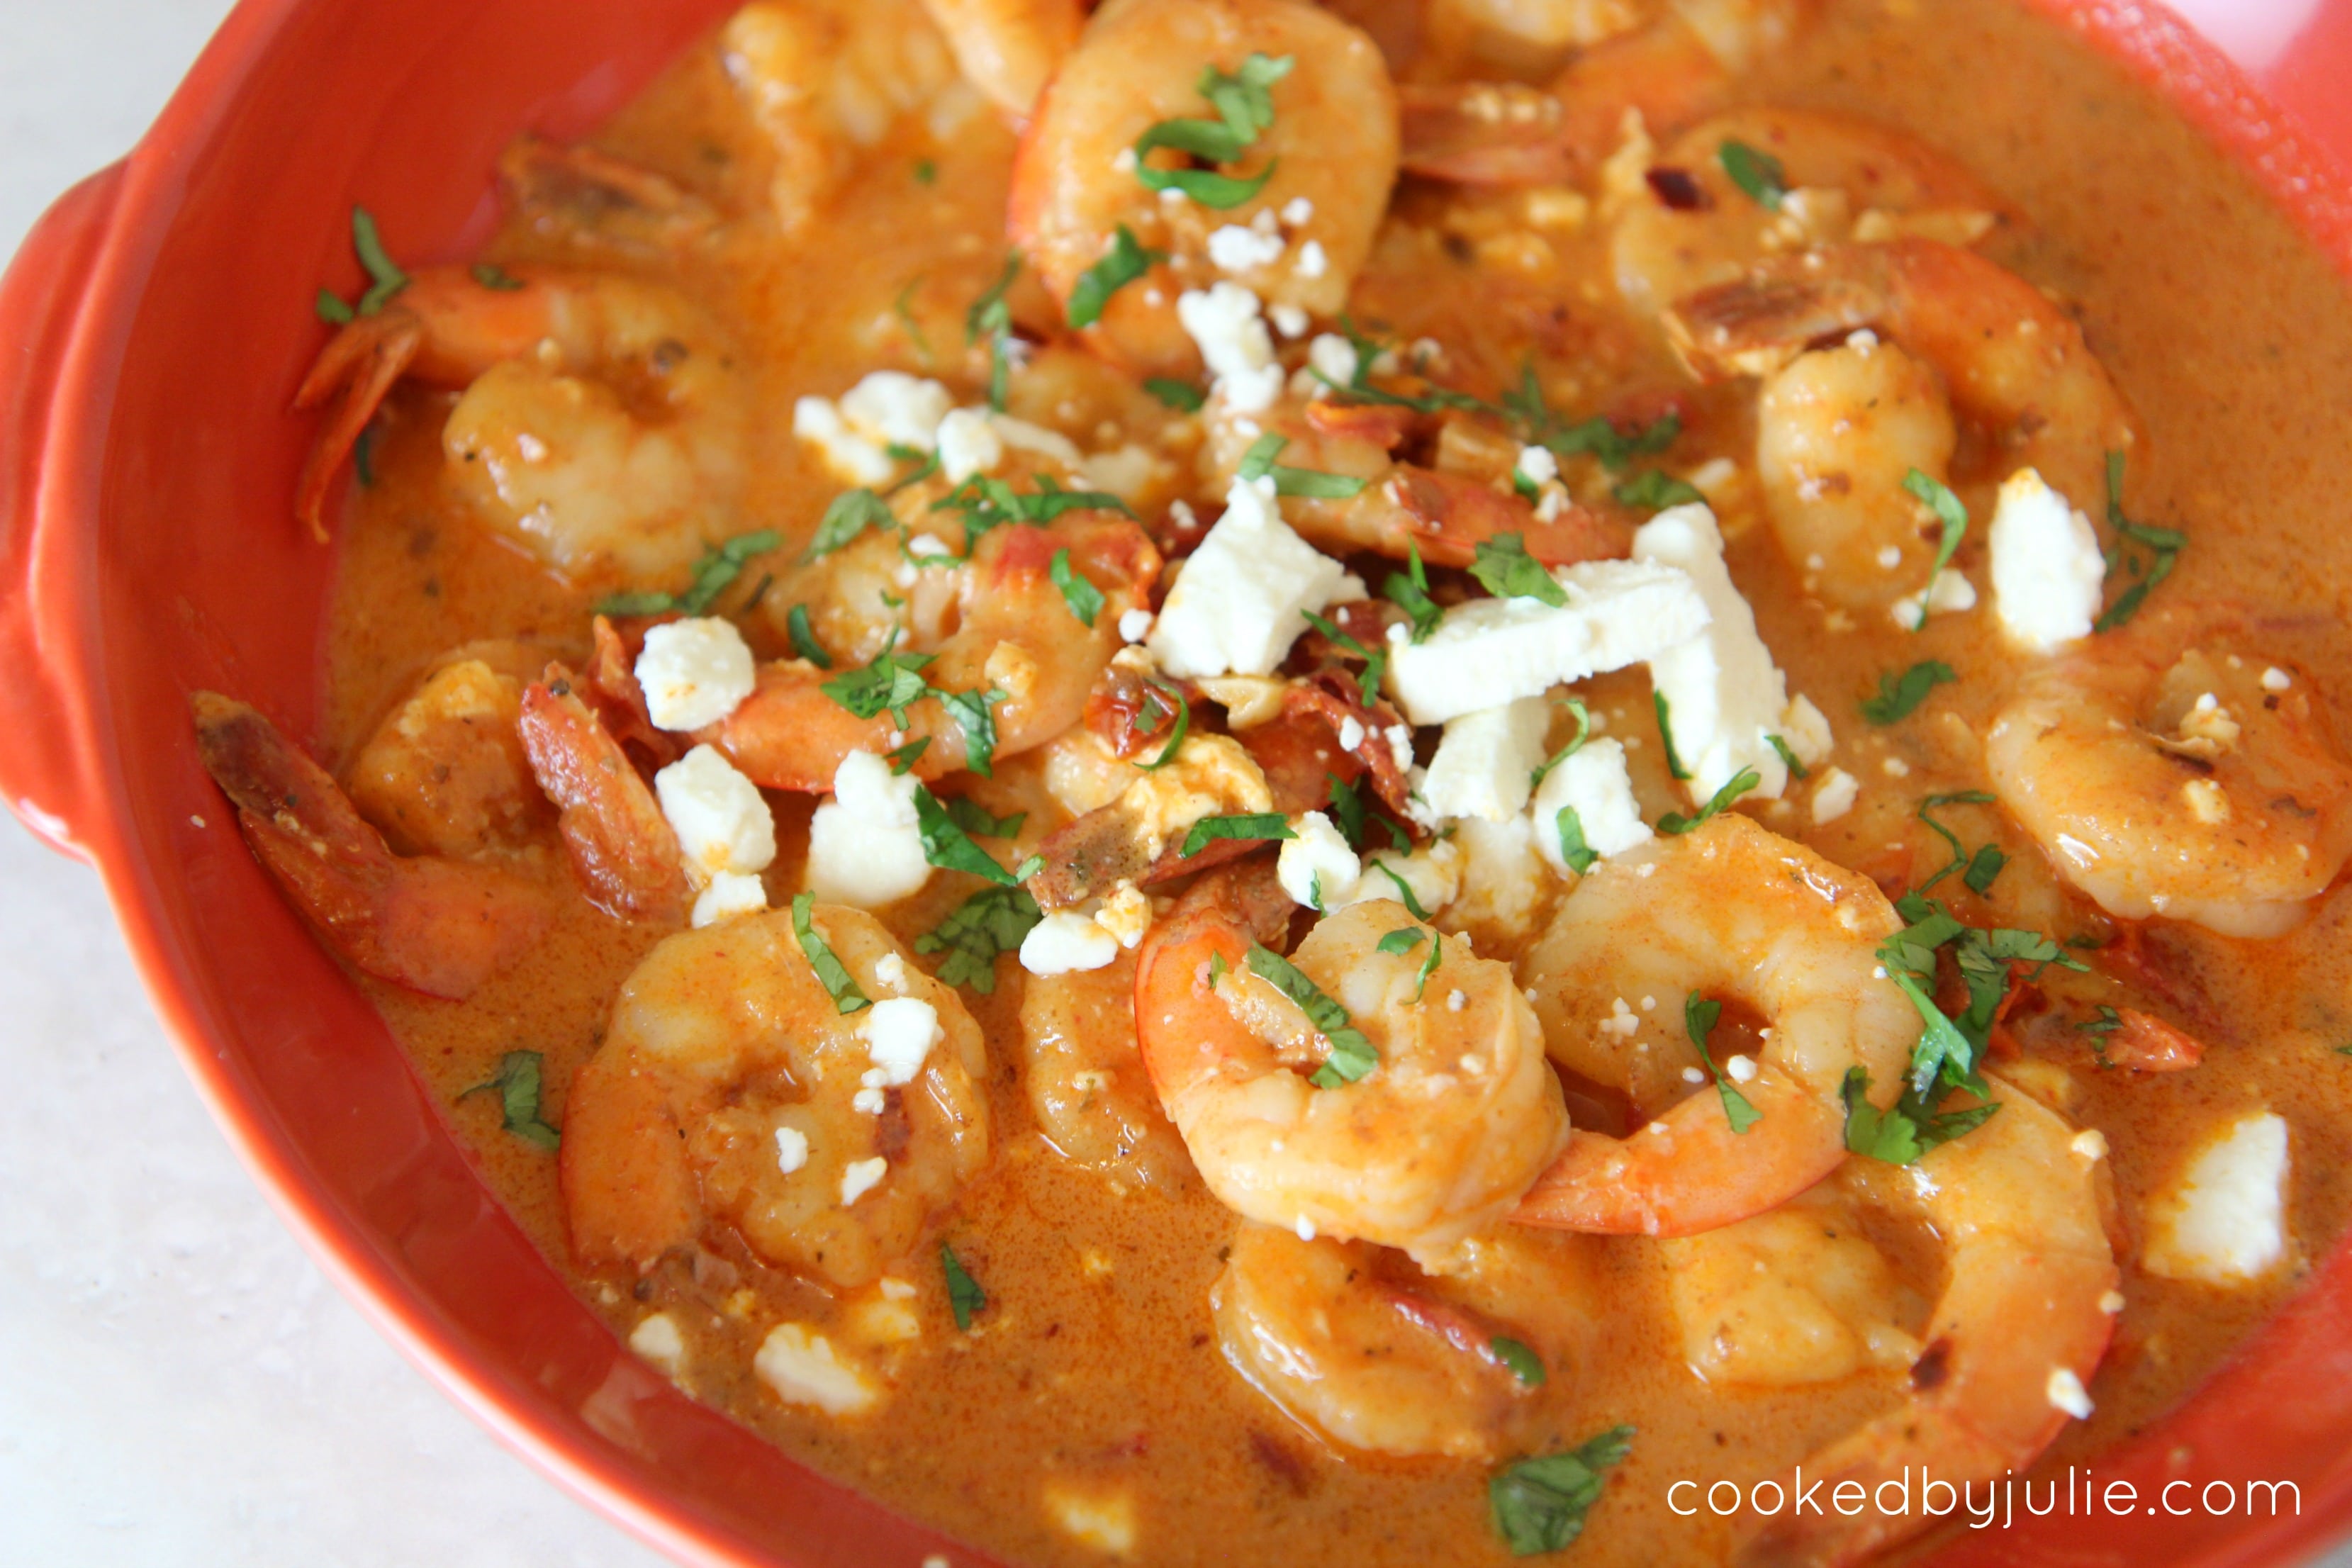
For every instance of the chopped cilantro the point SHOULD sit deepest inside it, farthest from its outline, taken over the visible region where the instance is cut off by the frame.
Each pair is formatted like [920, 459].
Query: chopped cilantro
[2167, 544]
[851, 514]
[973, 713]
[948, 846]
[804, 643]
[1575, 706]
[1409, 591]
[1573, 850]
[493, 277]
[1352, 1057]
[991, 922]
[1312, 484]
[384, 277]
[1699, 1018]
[1176, 737]
[713, 575]
[1126, 262]
[1509, 571]
[332, 309]
[1789, 756]
[1675, 765]
[906, 756]
[1898, 695]
[975, 819]
[1244, 106]
[1523, 1362]
[892, 681]
[1743, 781]
[990, 318]
[831, 972]
[518, 1083]
[1756, 172]
[903, 307]
[1538, 1504]
[1376, 660]
[965, 1298]
[1937, 498]
[1905, 1130]
[1348, 812]
[1263, 825]
[926, 171]
[1656, 490]
[1181, 395]
[1403, 889]
[1085, 600]
[1401, 940]
[1977, 870]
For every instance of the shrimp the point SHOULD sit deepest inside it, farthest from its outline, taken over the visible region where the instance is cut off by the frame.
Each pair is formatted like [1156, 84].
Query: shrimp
[445, 772]
[2019, 1329]
[1004, 628]
[1369, 1352]
[732, 1089]
[601, 419]
[2167, 773]
[1728, 912]
[1329, 156]
[1442, 1137]
[441, 926]
[1085, 1077]
[1008, 48]
[596, 202]
[622, 846]
[1688, 225]
[1680, 66]
[824, 80]
[2011, 363]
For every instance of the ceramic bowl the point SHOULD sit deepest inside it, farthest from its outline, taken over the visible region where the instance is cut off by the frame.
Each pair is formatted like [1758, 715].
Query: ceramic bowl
[155, 326]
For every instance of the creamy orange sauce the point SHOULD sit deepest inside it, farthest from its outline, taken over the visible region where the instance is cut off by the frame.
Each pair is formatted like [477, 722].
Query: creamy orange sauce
[1093, 1369]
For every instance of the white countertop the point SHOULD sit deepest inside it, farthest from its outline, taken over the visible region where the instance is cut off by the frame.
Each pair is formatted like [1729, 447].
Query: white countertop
[178, 1383]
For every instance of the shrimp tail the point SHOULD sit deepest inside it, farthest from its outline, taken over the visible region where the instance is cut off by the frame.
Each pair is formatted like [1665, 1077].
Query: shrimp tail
[628, 1191]
[622, 847]
[436, 926]
[353, 373]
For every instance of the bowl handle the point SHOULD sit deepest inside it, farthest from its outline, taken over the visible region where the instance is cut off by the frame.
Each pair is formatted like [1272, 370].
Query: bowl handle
[42, 777]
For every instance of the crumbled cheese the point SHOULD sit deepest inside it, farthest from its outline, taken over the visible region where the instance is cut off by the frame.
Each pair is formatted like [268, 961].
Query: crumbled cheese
[1807, 730]
[860, 1177]
[1537, 464]
[2089, 1144]
[1242, 598]
[1312, 262]
[1740, 1068]
[2065, 1392]
[1492, 651]
[893, 408]
[1126, 914]
[800, 1366]
[656, 1339]
[792, 1150]
[721, 822]
[1434, 872]
[1134, 625]
[1332, 356]
[730, 894]
[1895, 768]
[1236, 249]
[1890, 557]
[969, 445]
[2275, 679]
[1622, 1022]
[1224, 322]
[899, 1031]
[1351, 733]
[890, 973]
[1454, 1002]
[1298, 211]
[1483, 764]
[885, 1318]
[866, 847]
[2207, 801]
[1726, 696]
[1503, 880]
[1105, 1523]
[1318, 869]
[1835, 795]
[1289, 320]
[852, 456]
[1066, 941]
[2222, 1217]
[2048, 575]
[1594, 780]
[1948, 593]
[695, 672]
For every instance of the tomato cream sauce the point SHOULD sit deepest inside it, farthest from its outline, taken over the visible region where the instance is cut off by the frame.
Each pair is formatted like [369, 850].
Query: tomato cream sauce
[1092, 1385]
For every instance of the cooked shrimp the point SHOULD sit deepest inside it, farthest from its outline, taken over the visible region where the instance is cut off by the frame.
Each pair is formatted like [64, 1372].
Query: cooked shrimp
[730, 1089]
[435, 925]
[445, 772]
[1366, 1351]
[1006, 628]
[1085, 1077]
[2169, 770]
[602, 420]
[1728, 912]
[1329, 153]
[1689, 226]
[1008, 48]
[622, 846]
[1439, 1139]
[2012, 362]
[826, 79]
[1678, 67]
[2018, 1211]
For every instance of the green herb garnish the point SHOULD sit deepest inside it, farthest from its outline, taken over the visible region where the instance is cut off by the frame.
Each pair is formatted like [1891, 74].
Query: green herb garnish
[892, 681]
[1657, 490]
[965, 1298]
[1575, 706]
[990, 318]
[1126, 262]
[1977, 870]
[1789, 756]
[491, 276]
[1266, 826]
[902, 760]
[1699, 1018]
[1244, 106]
[1746, 779]
[2167, 544]
[1085, 600]
[1258, 463]
[1409, 591]
[1181, 395]
[1755, 171]
[989, 923]
[1538, 1504]
[831, 972]
[384, 277]
[517, 1085]
[1573, 850]
[1176, 737]
[1352, 1057]
[804, 643]
[948, 846]
[1898, 695]
[1376, 660]
[1937, 498]
[1522, 1362]
[1509, 571]
[713, 575]
[851, 514]
[973, 714]
[1675, 765]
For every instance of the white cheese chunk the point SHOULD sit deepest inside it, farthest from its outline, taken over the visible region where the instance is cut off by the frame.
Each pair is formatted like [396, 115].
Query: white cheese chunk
[851, 456]
[899, 1031]
[792, 1150]
[1807, 730]
[893, 408]
[695, 672]
[1591, 779]
[2048, 575]
[1483, 765]
[2222, 1218]
[1503, 876]
[800, 1366]
[1066, 941]
[1333, 356]
[860, 1177]
[2064, 1390]
[1538, 465]
[1240, 601]
[656, 1339]
[1224, 322]
[969, 445]
[1725, 695]
[865, 846]
[1835, 795]
[1236, 249]
[1432, 872]
[1103, 1521]
[1318, 869]
[721, 822]
[730, 894]
[1949, 593]
[1492, 651]
[1134, 625]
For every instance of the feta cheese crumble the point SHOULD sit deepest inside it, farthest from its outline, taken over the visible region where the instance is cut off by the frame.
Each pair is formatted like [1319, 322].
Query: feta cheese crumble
[792, 1150]
[2065, 1392]
[866, 847]
[721, 822]
[694, 672]
[800, 1366]
[1066, 940]
[860, 1177]
[1483, 764]
[1835, 795]
[1318, 869]
[969, 445]
[1240, 601]
[1948, 593]
[1224, 322]
[656, 1339]
[1726, 696]
[1236, 249]
[1488, 652]
[888, 407]
[1594, 780]
[2048, 575]
[2222, 1217]
[730, 894]
[899, 1033]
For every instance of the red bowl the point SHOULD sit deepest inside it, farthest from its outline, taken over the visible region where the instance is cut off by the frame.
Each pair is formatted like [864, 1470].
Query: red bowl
[156, 322]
